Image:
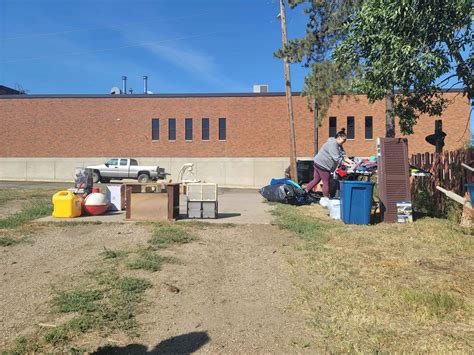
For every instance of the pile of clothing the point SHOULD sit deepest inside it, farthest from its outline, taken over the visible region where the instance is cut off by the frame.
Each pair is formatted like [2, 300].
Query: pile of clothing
[366, 166]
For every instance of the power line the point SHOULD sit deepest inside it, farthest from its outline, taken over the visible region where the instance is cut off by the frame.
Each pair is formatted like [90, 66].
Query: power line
[144, 44]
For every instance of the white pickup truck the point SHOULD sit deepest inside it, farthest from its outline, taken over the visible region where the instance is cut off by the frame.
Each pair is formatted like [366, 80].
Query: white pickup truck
[125, 168]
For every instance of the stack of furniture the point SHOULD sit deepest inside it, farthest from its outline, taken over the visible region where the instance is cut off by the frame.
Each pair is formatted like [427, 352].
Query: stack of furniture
[201, 200]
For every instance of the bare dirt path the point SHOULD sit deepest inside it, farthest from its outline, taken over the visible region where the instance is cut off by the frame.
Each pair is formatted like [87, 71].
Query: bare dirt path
[235, 288]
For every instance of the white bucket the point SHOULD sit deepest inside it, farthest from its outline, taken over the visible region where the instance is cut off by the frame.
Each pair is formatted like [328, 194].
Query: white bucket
[334, 207]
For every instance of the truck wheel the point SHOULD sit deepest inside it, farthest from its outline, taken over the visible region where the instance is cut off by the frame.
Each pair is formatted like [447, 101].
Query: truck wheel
[105, 180]
[95, 177]
[143, 178]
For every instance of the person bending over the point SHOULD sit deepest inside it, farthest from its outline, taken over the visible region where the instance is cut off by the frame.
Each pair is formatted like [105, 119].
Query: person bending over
[327, 160]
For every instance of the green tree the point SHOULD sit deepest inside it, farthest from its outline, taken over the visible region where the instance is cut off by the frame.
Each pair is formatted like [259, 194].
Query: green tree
[323, 33]
[415, 47]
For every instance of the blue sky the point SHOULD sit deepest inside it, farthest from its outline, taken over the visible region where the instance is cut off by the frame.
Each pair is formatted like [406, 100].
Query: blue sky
[65, 46]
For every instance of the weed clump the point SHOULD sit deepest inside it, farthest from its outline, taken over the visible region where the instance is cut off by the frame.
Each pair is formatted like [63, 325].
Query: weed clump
[147, 260]
[165, 236]
[57, 335]
[436, 304]
[133, 284]
[78, 301]
[313, 230]
[9, 241]
[22, 346]
[113, 254]
[31, 210]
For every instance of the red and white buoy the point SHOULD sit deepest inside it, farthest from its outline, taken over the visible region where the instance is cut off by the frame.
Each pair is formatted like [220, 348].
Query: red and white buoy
[96, 203]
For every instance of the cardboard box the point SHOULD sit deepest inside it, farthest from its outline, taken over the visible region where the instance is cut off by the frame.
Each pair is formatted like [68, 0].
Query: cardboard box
[116, 196]
[404, 212]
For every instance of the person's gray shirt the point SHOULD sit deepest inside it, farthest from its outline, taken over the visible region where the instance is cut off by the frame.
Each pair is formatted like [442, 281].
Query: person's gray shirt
[330, 155]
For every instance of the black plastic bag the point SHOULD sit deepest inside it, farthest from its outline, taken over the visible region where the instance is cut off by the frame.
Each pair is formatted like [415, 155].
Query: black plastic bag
[284, 193]
[313, 197]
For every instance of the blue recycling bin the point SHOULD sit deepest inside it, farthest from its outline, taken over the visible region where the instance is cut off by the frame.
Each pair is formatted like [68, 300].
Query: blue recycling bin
[356, 201]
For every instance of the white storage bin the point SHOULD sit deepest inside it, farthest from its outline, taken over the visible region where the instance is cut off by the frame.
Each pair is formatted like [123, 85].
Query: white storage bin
[201, 192]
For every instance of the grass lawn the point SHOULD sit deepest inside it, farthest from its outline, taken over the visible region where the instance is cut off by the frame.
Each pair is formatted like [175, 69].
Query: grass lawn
[386, 287]
[35, 203]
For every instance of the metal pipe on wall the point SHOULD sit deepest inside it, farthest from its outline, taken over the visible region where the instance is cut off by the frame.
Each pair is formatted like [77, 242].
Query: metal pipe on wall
[145, 84]
[124, 84]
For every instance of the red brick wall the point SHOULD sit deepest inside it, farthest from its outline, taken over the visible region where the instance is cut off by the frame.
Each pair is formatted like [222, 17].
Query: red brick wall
[257, 126]
[455, 118]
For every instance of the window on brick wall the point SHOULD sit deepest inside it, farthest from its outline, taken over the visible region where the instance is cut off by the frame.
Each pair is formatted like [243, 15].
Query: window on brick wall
[205, 129]
[222, 129]
[155, 129]
[350, 127]
[369, 128]
[188, 126]
[332, 126]
[172, 129]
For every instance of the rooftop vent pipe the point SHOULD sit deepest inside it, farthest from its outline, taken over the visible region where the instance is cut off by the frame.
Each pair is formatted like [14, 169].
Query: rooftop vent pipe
[124, 84]
[145, 84]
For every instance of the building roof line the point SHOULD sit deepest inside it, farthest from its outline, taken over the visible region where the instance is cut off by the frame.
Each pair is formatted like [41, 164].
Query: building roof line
[175, 95]
[146, 96]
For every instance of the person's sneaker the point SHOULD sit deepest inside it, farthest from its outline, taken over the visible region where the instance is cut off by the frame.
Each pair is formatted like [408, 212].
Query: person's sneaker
[324, 201]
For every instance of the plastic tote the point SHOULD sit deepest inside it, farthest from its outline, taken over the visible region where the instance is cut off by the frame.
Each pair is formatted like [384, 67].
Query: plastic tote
[356, 201]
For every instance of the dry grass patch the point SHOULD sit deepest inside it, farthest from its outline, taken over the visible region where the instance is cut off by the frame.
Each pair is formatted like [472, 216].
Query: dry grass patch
[32, 204]
[386, 287]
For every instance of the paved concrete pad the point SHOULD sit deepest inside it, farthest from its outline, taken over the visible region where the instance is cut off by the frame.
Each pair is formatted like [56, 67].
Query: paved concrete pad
[244, 206]
[110, 217]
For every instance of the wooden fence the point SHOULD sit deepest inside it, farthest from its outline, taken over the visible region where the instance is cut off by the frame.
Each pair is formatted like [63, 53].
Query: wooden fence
[446, 171]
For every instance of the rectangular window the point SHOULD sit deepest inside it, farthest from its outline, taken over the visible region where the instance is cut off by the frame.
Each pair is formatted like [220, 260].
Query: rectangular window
[222, 129]
[172, 129]
[155, 129]
[123, 162]
[205, 129]
[332, 126]
[188, 126]
[350, 127]
[369, 130]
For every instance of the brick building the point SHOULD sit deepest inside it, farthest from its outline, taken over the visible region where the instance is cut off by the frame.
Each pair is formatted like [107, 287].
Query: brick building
[233, 139]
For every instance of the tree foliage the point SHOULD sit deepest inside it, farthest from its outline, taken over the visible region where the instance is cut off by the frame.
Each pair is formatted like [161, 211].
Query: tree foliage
[323, 33]
[412, 46]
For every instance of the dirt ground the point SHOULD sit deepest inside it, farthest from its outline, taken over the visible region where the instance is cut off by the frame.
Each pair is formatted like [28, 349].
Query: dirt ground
[316, 285]
[235, 288]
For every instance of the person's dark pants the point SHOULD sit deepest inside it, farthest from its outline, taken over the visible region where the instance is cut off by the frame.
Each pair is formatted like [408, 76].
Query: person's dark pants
[320, 175]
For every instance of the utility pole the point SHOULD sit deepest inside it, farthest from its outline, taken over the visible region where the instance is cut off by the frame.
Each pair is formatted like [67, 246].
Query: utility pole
[390, 114]
[293, 169]
[316, 127]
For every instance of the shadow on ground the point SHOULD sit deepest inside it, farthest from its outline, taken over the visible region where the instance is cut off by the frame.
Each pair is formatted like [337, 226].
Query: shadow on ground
[181, 344]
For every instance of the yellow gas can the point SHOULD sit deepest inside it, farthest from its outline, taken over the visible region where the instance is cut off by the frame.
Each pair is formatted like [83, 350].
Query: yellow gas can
[66, 205]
